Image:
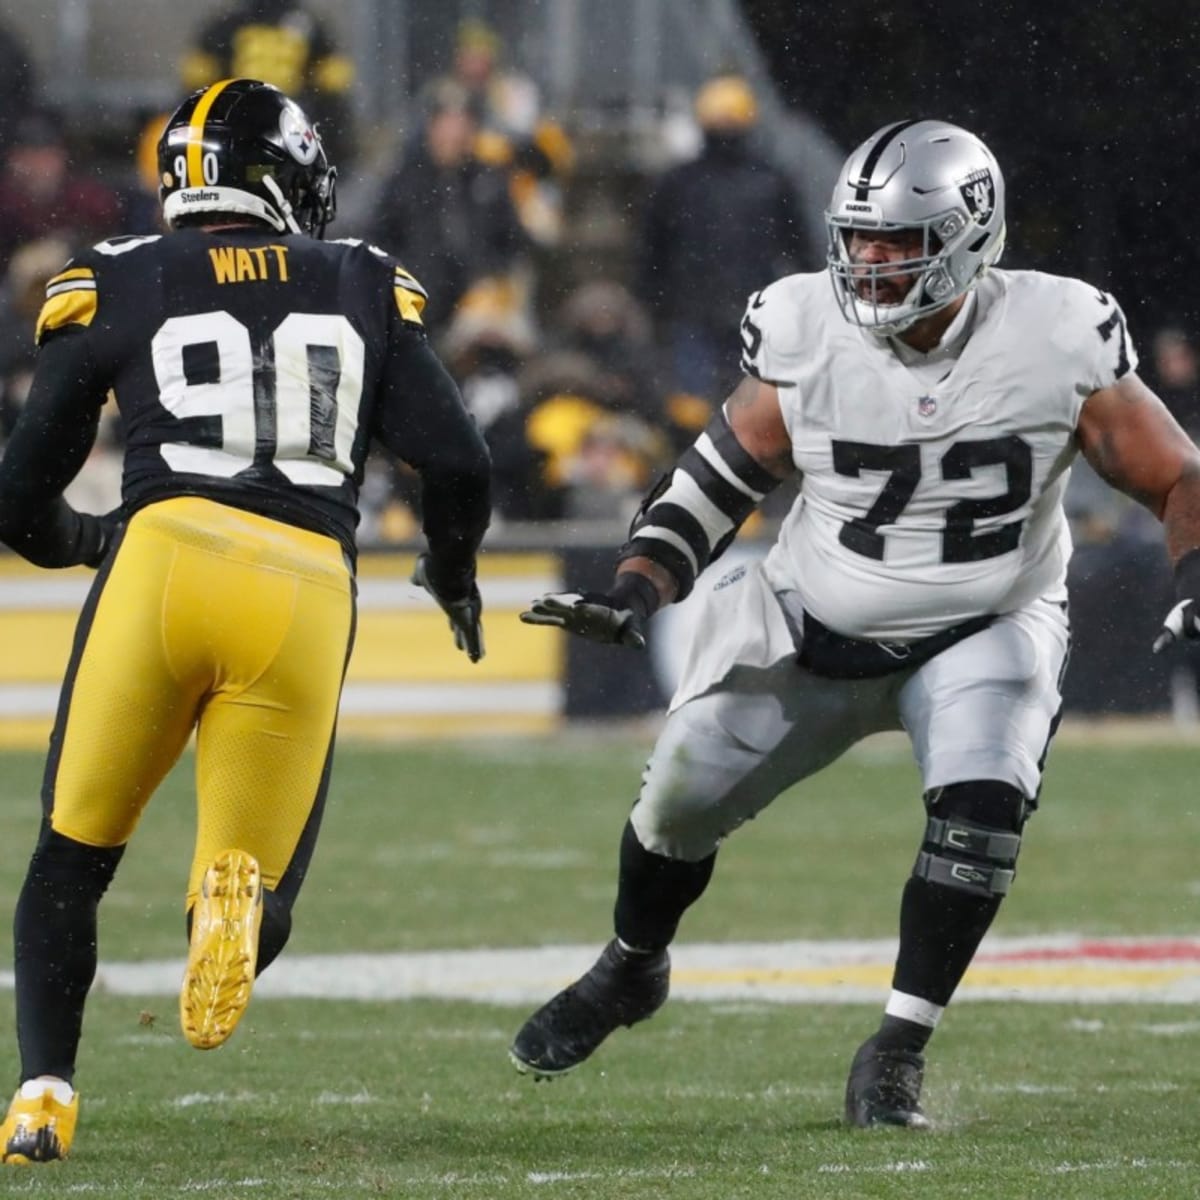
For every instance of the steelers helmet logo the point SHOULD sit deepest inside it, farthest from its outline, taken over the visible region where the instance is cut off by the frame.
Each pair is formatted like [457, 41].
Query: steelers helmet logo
[299, 137]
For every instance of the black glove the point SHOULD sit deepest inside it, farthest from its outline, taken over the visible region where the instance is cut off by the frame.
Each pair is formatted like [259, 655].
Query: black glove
[1183, 621]
[465, 613]
[616, 617]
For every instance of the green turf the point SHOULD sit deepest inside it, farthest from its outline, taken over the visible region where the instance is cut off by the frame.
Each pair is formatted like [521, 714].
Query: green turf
[513, 844]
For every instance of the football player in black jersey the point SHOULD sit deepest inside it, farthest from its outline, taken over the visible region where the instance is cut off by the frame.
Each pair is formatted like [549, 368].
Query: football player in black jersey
[252, 364]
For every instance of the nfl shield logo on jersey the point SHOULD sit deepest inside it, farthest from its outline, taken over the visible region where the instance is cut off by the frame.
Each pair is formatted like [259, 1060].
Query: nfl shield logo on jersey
[926, 406]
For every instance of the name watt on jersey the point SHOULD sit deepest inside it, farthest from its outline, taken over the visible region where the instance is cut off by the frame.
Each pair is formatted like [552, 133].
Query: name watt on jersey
[249, 264]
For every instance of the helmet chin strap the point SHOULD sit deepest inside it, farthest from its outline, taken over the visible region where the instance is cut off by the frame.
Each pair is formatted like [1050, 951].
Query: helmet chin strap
[285, 209]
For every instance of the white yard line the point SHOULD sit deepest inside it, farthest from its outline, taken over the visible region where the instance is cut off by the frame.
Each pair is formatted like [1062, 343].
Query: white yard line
[1060, 968]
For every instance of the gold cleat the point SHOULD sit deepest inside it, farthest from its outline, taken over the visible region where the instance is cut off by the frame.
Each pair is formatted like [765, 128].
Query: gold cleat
[38, 1129]
[224, 949]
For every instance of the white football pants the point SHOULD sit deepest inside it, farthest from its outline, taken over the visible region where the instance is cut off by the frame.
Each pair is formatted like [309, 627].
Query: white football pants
[983, 709]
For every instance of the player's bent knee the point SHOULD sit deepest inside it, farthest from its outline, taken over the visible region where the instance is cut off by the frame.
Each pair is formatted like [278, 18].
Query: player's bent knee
[671, 834]
[64, 871]
[973, 836]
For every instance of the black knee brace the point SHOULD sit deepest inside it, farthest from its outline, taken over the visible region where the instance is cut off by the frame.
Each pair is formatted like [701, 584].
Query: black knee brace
[972, 836]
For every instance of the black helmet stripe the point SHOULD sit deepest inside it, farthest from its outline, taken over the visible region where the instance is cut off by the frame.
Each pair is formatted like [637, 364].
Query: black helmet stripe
[875, 154]
[195, 142]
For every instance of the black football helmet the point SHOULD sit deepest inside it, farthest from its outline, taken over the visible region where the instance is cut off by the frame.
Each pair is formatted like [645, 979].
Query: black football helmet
[242, 147]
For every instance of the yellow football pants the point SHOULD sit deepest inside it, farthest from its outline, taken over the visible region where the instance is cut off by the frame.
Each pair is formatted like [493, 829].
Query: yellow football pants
[213, 619]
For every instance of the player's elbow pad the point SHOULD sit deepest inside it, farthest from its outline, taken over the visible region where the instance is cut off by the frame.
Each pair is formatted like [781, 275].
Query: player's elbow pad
[692, 514]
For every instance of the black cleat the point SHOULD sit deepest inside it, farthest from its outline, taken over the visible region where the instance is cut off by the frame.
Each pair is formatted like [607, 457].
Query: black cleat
[621, 988]
[884, 1088]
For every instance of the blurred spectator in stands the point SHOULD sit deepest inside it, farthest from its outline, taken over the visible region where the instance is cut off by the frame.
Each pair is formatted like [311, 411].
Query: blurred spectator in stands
[18, 87]
[514, 134]
[139, 194]
[1175, 375]
[612, 468]
[43, 193]
[446, 216]
[486, 343]
[21, 297]
[587, 435]
[604, 322]
[716, 229]
[281, 43]
[97, 488]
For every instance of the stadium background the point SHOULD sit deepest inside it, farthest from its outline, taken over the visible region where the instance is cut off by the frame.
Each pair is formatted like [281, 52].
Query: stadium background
[1088, 111]
[501, 844]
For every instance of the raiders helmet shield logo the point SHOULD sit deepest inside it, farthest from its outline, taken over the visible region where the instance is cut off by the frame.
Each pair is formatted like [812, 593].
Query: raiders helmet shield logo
[979, 194]
[298, 136]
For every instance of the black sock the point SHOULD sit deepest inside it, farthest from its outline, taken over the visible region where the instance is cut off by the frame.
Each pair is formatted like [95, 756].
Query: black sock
[895, 1033]
[54, 936]
[653, 893]
[940, 930]
[275, 931]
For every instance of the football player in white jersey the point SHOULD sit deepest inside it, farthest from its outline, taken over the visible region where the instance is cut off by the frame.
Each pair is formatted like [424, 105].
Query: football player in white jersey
[931, 406]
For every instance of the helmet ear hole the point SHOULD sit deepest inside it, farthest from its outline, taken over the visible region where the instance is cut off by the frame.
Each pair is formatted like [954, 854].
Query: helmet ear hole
[979, 243]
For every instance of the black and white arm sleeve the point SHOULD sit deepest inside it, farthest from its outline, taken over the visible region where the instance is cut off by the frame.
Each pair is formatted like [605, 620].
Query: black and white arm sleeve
[692, 514]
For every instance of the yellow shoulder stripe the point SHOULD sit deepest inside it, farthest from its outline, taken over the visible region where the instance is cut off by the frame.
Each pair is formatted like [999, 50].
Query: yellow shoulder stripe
[410, 303]
[75, 307]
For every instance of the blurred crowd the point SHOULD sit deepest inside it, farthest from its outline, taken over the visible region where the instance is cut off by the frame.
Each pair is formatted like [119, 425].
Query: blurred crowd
[585, 384]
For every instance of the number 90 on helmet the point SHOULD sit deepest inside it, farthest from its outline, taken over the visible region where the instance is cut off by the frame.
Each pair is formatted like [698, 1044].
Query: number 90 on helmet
[242, 148]
[936, 180]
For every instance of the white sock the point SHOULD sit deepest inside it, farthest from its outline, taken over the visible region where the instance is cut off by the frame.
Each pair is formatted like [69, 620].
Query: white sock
[632, 949]
[62, 1091]
[913, 1008]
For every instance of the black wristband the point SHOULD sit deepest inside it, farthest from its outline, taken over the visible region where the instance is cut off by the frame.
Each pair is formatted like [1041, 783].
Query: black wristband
[637, 592]
[1187, 576]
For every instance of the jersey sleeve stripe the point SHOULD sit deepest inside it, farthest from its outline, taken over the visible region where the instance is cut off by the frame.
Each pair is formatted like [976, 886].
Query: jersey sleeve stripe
[70, 285]
[405, 280]
[74, 307]
[74, 273]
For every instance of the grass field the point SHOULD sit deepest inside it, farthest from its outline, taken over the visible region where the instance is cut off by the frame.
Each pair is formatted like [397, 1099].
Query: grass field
[511, 845]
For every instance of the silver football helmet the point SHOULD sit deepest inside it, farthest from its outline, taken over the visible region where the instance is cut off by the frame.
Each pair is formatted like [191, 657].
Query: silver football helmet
[926, 176]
